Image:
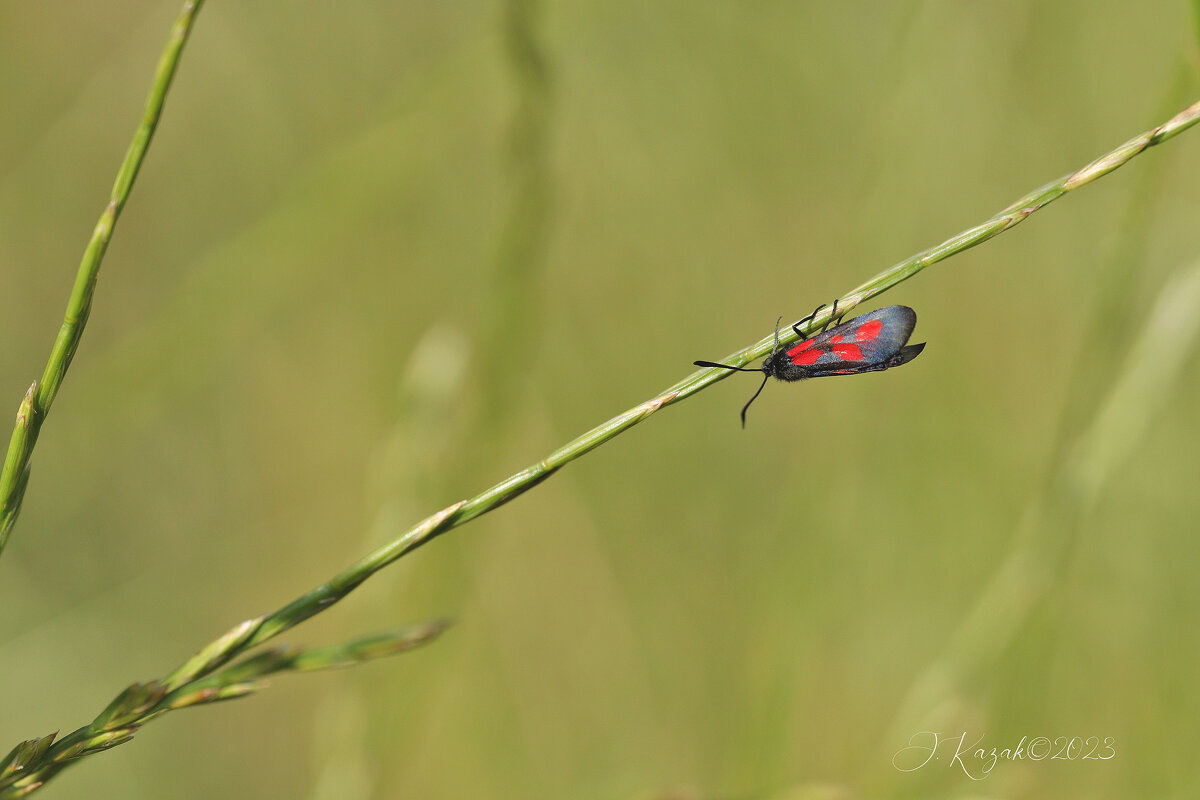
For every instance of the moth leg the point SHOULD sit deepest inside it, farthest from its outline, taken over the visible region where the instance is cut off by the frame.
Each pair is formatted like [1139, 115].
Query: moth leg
[809, 318]
[841, 316]
[833, 315]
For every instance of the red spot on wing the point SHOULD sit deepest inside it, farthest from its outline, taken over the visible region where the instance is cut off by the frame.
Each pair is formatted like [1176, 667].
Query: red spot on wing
[801, 347]
[869, 330]
[803, 356]
[847, 352]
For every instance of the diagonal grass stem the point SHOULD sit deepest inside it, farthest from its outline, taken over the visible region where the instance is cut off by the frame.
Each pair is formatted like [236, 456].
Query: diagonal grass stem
[41, 394]
[463, 511]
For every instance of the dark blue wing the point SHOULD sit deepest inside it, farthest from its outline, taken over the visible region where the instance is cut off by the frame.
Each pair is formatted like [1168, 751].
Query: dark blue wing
[862, 344]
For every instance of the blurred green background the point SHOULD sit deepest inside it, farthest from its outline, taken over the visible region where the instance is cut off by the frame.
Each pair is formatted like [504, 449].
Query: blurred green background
[383, 255]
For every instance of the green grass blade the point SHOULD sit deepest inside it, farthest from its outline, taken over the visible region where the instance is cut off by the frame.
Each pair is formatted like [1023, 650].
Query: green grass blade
[320, 598]
[34, 762]
[41, 395]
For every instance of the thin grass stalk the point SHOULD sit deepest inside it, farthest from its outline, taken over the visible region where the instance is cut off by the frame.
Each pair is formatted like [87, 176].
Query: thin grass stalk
[320, 598]
[31, 764]
[41, 394]
[510, 322]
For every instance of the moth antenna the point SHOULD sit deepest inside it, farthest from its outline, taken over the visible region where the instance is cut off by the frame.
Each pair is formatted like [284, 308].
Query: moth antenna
[723, 366]
[755, 397]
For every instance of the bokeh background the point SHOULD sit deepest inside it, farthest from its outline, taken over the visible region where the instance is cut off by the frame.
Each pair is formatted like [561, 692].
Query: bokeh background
[382, 255]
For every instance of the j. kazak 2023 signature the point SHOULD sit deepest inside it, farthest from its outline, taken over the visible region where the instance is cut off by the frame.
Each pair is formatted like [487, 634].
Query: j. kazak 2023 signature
[976, 759]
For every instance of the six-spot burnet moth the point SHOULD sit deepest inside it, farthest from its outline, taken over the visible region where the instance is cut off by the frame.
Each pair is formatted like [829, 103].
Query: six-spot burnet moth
[870, 343]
